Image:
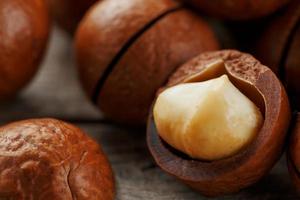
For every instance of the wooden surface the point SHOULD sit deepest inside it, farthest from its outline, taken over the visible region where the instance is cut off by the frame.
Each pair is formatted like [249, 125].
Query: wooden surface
[55, 92]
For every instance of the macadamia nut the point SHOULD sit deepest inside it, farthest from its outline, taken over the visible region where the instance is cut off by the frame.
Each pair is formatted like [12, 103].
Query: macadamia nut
[207, 120]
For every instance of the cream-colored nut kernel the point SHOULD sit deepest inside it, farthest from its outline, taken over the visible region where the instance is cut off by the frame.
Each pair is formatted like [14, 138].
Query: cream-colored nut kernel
[207, 120]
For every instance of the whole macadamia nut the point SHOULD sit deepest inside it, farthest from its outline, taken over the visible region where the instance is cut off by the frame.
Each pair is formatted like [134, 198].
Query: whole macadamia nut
[127, 49]
[68, 13]
[24, 29]
[49, 159]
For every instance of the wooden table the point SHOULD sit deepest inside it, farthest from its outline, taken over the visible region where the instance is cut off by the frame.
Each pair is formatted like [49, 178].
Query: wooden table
[56, 92]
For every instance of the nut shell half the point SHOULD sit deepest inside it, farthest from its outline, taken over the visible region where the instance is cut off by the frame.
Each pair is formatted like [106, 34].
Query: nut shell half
[24, 26]
[230, 175]
[49, 159]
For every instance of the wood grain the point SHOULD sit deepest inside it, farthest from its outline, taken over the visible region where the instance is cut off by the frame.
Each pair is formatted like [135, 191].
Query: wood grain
[55, 92]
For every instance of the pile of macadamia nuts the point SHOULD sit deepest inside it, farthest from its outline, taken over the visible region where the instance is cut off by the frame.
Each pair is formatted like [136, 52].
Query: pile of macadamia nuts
[217, 119]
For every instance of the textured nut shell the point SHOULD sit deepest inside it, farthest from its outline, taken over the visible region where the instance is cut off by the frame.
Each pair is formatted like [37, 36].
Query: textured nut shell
[129, 91]
[238, 9]
[68, 13]
[273, 43]
[105, 30]
[292, 70]
[239, 171]
[24, 33]
[50, 159]
[294, 155]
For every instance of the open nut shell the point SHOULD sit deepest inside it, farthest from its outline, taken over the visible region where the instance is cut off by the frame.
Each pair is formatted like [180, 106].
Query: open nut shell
[229, 175]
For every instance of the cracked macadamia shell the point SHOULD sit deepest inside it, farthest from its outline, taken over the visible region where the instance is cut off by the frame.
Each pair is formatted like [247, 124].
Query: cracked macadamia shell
[293, 156]
[24, 29]
[127, 49]
[68, 13]
[249, 165]
[238, 9]
[49, 159]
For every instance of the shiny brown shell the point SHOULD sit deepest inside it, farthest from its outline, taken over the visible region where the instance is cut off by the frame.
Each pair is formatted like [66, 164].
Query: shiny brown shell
[278, 48]
[24, 29]
[68, 13]
[232, 174]
[293, 156]
[127, 50]
[49, 159]
[238, 9]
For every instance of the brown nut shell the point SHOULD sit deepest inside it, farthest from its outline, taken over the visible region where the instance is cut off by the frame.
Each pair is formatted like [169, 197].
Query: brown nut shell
[49, 159]
[68, 13]
[293, 157]
[24, 35]
[151, 39]
[238, 9]
[232, 174]
[277, 48]
[106, 29]
[135, 79]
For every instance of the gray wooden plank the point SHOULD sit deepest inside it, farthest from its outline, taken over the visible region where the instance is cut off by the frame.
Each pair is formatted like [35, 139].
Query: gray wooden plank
[55, 90]
[138, 177]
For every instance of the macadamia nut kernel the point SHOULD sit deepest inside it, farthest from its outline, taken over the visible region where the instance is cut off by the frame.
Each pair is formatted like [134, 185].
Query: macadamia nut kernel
[207, 120]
